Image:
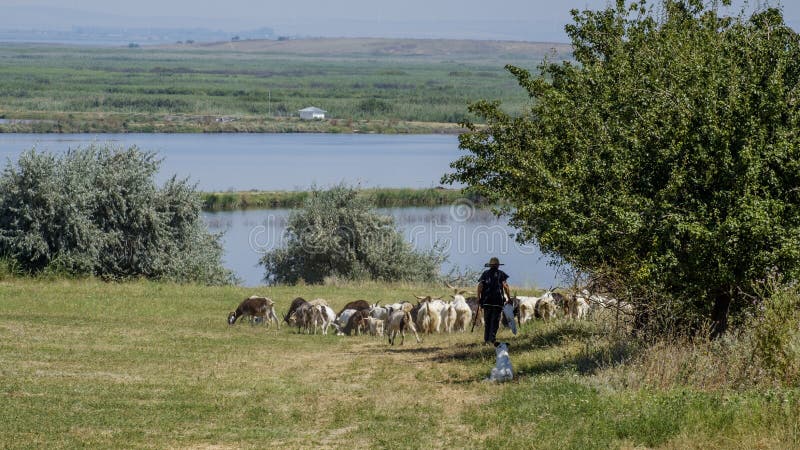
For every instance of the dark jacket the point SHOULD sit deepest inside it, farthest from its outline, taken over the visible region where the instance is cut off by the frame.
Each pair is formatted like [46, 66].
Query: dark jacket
[492, 287]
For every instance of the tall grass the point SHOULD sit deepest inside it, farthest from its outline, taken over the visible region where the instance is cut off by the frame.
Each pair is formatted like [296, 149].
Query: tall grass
[762, 354]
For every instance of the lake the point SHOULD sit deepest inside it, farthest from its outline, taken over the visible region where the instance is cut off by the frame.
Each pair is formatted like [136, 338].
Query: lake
[292, 161]
[468, 236]
[218, 162]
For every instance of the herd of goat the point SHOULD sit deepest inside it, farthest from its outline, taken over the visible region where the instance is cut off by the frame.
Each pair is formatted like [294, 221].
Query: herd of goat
[428, 315]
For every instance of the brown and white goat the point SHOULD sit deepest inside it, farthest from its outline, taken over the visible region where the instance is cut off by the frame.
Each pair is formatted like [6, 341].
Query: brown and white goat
[255, 307]
[290, 315]
[358, 323]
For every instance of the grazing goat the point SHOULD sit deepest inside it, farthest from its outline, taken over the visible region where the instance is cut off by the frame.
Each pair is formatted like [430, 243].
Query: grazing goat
[328, 318]
[358, 304]
[576, 307]
[342, 320]
[314, 317]
[463, 313]
[304, 316]
[558, 299]
[255, 307]
[449, 316]
[399, 322]
[357, 322]
[477, 311]
[546, 307]
[429, 315]
[292, 308]
[378, 312]
[375, 326]
[319, 302]
[527, 308]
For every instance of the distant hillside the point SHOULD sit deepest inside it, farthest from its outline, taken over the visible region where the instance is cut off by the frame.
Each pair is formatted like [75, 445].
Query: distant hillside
[443, 49]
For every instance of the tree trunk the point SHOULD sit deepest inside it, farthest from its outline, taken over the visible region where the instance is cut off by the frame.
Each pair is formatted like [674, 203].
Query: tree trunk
[719, 314]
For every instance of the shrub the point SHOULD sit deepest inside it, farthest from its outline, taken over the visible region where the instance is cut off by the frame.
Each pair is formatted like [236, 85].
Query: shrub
[97, 211]
[337, 234]
[777, 336]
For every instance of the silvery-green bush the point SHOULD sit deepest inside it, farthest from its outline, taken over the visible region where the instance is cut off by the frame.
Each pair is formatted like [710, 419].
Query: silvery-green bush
[338, 234]
[98, 211]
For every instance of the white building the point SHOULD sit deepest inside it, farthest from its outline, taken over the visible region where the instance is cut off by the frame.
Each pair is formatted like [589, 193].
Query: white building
[312, 113]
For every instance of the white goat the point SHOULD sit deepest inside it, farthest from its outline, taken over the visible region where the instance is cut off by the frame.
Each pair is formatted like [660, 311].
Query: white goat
[449, 316]
[328, 318]
[463, 313]
[375, 326]
[527, 308]
[428, 320]
[399, 322]
[379, 312]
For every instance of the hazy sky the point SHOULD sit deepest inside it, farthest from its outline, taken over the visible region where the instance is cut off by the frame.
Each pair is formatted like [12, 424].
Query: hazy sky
[512, 19]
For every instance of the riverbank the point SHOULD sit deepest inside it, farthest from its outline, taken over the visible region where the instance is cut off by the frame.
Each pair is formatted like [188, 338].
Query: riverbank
[110, 122]
[380, 197]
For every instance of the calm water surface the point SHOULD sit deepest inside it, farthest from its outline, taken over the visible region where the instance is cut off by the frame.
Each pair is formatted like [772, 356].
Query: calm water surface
[244, 161]
[219, 162]
[469, 238]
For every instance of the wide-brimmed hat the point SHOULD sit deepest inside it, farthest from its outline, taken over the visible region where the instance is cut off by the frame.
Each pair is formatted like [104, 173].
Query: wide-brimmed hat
[493, 262]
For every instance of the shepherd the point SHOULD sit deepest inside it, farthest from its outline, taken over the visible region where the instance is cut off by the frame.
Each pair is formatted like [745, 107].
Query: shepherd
[491, 289]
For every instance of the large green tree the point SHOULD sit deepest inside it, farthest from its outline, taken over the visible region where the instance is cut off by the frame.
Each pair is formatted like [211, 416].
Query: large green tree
[666, 155]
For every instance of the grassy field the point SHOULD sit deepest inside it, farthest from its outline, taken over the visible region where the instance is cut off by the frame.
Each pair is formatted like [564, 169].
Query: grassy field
[379, 197]
[366, 85]
[85, 363]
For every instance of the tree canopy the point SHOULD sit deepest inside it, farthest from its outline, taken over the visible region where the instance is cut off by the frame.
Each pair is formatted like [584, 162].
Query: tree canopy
[666, 155]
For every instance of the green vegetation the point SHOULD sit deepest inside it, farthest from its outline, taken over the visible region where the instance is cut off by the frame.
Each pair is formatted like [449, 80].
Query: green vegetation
[667, 159]
[338, 234]
[383, 86]
[97, 211]
[378, 197]
[85, 363]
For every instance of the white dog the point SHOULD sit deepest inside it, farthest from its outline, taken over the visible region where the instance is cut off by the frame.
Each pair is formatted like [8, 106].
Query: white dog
[502, 371]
